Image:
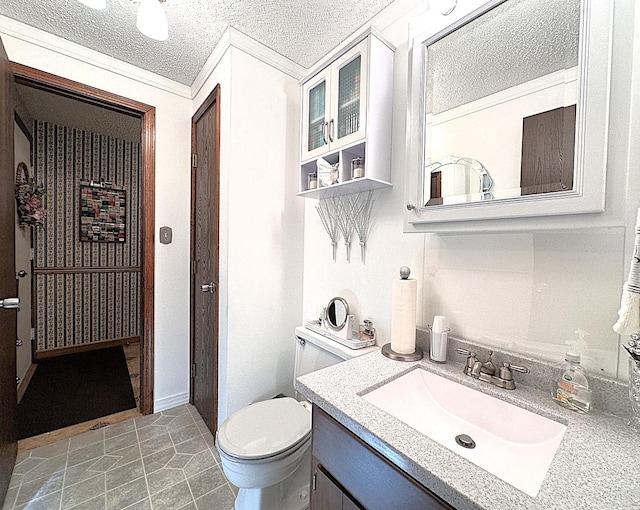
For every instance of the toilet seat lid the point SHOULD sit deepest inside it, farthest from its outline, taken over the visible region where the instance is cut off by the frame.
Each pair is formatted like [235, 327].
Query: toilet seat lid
[265, 428]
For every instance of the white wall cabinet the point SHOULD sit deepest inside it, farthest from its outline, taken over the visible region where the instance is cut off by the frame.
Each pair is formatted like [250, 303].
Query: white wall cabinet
[346, 114]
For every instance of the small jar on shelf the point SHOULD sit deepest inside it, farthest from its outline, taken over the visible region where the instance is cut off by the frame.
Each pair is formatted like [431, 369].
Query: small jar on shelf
[357, 168]
[312, 181]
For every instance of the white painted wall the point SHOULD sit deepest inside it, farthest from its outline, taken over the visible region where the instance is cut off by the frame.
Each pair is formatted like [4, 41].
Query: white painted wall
[528, 291]
[261, 224]
[34, 48]
[22, 152]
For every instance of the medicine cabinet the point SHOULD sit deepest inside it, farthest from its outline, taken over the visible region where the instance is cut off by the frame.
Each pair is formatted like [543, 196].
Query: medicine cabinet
[519, 89]
[346, 114]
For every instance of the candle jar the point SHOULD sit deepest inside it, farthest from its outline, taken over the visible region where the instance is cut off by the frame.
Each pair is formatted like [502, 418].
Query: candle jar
[357, 168]
[312, 181]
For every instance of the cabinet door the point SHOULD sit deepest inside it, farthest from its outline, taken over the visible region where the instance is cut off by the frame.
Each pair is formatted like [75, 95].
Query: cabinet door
[349, 75]
[325, 495]
[315, 116]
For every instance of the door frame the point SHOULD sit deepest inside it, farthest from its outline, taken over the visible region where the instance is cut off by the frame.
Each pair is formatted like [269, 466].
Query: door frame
[213, 97]
[42, 80]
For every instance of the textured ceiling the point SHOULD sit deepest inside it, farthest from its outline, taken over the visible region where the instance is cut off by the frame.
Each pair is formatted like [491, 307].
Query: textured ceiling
[514, 43]
[302, 30]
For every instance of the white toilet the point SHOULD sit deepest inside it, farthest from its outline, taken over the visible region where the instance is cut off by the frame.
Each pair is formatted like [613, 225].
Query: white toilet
[265, 447]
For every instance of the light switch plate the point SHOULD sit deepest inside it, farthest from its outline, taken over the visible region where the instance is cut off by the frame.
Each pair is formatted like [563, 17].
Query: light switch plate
[166, 235]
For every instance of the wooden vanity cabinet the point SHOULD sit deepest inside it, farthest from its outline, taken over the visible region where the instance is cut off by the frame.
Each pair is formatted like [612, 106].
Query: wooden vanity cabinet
[348, 474]
[327, 494]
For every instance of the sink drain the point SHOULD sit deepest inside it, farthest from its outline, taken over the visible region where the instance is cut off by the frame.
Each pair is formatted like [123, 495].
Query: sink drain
[465, 441]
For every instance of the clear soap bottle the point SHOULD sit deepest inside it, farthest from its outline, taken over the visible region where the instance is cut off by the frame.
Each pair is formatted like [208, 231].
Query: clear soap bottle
[571, 386]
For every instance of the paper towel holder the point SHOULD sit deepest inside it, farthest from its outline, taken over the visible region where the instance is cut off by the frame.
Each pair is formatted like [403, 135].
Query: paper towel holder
[396, 356]
[387, 351]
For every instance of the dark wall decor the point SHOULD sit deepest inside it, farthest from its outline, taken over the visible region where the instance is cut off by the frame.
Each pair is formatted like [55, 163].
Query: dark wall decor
[102, 212]
[85, 292]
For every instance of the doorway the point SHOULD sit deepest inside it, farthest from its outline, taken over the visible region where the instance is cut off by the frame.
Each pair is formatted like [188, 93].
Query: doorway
[205, 219]
[29, 77]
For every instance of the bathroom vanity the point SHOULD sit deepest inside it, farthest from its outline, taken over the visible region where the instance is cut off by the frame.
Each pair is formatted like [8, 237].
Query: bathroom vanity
[345, 468]
[366, 457]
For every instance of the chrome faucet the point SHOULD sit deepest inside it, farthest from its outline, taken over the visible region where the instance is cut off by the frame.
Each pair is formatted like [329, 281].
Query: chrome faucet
[487, 371]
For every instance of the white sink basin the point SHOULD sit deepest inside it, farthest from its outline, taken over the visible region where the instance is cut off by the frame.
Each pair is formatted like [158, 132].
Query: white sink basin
[514, 444]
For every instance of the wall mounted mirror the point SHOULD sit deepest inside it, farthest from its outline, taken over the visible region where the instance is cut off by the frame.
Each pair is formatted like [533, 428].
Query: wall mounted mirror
[518, 87]
[337, 313]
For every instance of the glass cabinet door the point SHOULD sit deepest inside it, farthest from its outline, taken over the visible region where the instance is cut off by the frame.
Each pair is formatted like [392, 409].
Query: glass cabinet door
[315, 117]
[349, 100]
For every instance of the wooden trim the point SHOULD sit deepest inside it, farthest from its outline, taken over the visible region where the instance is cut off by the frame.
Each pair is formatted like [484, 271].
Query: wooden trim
[93, 346]
[148, 230]
[83, 270]
[31, 77]
[72, 89]
[22, 387]
[192, 251]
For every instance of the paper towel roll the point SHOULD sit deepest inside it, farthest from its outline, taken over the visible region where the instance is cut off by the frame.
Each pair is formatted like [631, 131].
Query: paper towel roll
[403, 316]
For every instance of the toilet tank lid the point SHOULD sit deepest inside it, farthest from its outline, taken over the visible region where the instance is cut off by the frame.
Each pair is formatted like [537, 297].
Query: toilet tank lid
[264, 429]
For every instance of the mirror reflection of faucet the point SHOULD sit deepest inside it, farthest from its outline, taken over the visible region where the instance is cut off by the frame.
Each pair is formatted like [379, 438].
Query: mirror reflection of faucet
[487, 371]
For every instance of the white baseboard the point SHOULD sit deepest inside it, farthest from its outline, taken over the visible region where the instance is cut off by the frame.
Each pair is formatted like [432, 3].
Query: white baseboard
[162, 404]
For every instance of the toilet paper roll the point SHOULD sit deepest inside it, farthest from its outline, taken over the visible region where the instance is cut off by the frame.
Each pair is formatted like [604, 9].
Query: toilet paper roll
[403, 316]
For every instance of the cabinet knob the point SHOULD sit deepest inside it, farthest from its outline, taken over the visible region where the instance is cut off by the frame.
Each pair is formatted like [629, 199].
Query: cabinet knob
[411, 206]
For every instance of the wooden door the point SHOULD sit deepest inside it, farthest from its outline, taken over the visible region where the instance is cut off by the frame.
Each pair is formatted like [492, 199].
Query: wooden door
[548, 141]
[8, 285]
[205, 141]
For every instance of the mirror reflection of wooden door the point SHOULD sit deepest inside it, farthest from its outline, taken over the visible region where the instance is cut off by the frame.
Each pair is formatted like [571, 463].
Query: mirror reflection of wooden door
[8, 285]
[205, 141]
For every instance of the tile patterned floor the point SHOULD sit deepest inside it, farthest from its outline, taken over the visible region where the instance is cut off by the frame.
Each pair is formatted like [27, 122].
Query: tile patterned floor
[163, 461]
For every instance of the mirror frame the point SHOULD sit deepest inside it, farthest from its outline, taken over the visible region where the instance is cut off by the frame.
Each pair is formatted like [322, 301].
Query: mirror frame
[592, 116]
[337, 327]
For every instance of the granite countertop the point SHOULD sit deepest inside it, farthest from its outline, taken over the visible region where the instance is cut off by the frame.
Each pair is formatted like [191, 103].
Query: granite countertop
[594, 467]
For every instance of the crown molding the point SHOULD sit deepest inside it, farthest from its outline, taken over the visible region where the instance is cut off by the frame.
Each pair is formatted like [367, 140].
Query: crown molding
[397, 10]
[234, 38]
[77, 52]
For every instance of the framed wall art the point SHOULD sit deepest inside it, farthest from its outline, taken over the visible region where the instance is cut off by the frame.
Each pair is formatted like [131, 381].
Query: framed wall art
[102, 212]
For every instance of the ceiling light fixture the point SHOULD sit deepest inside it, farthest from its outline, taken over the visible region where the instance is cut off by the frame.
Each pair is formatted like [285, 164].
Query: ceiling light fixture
[95, 4]
[151, 19]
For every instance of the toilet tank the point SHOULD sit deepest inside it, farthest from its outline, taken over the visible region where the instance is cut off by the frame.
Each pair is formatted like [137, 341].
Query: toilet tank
[313, 352]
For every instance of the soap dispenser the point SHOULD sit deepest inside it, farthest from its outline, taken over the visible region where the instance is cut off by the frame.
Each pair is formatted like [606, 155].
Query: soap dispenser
[570, 384]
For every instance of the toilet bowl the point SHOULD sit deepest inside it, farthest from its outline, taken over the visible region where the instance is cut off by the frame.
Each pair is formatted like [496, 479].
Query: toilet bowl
[265, 448]
[265, 452]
